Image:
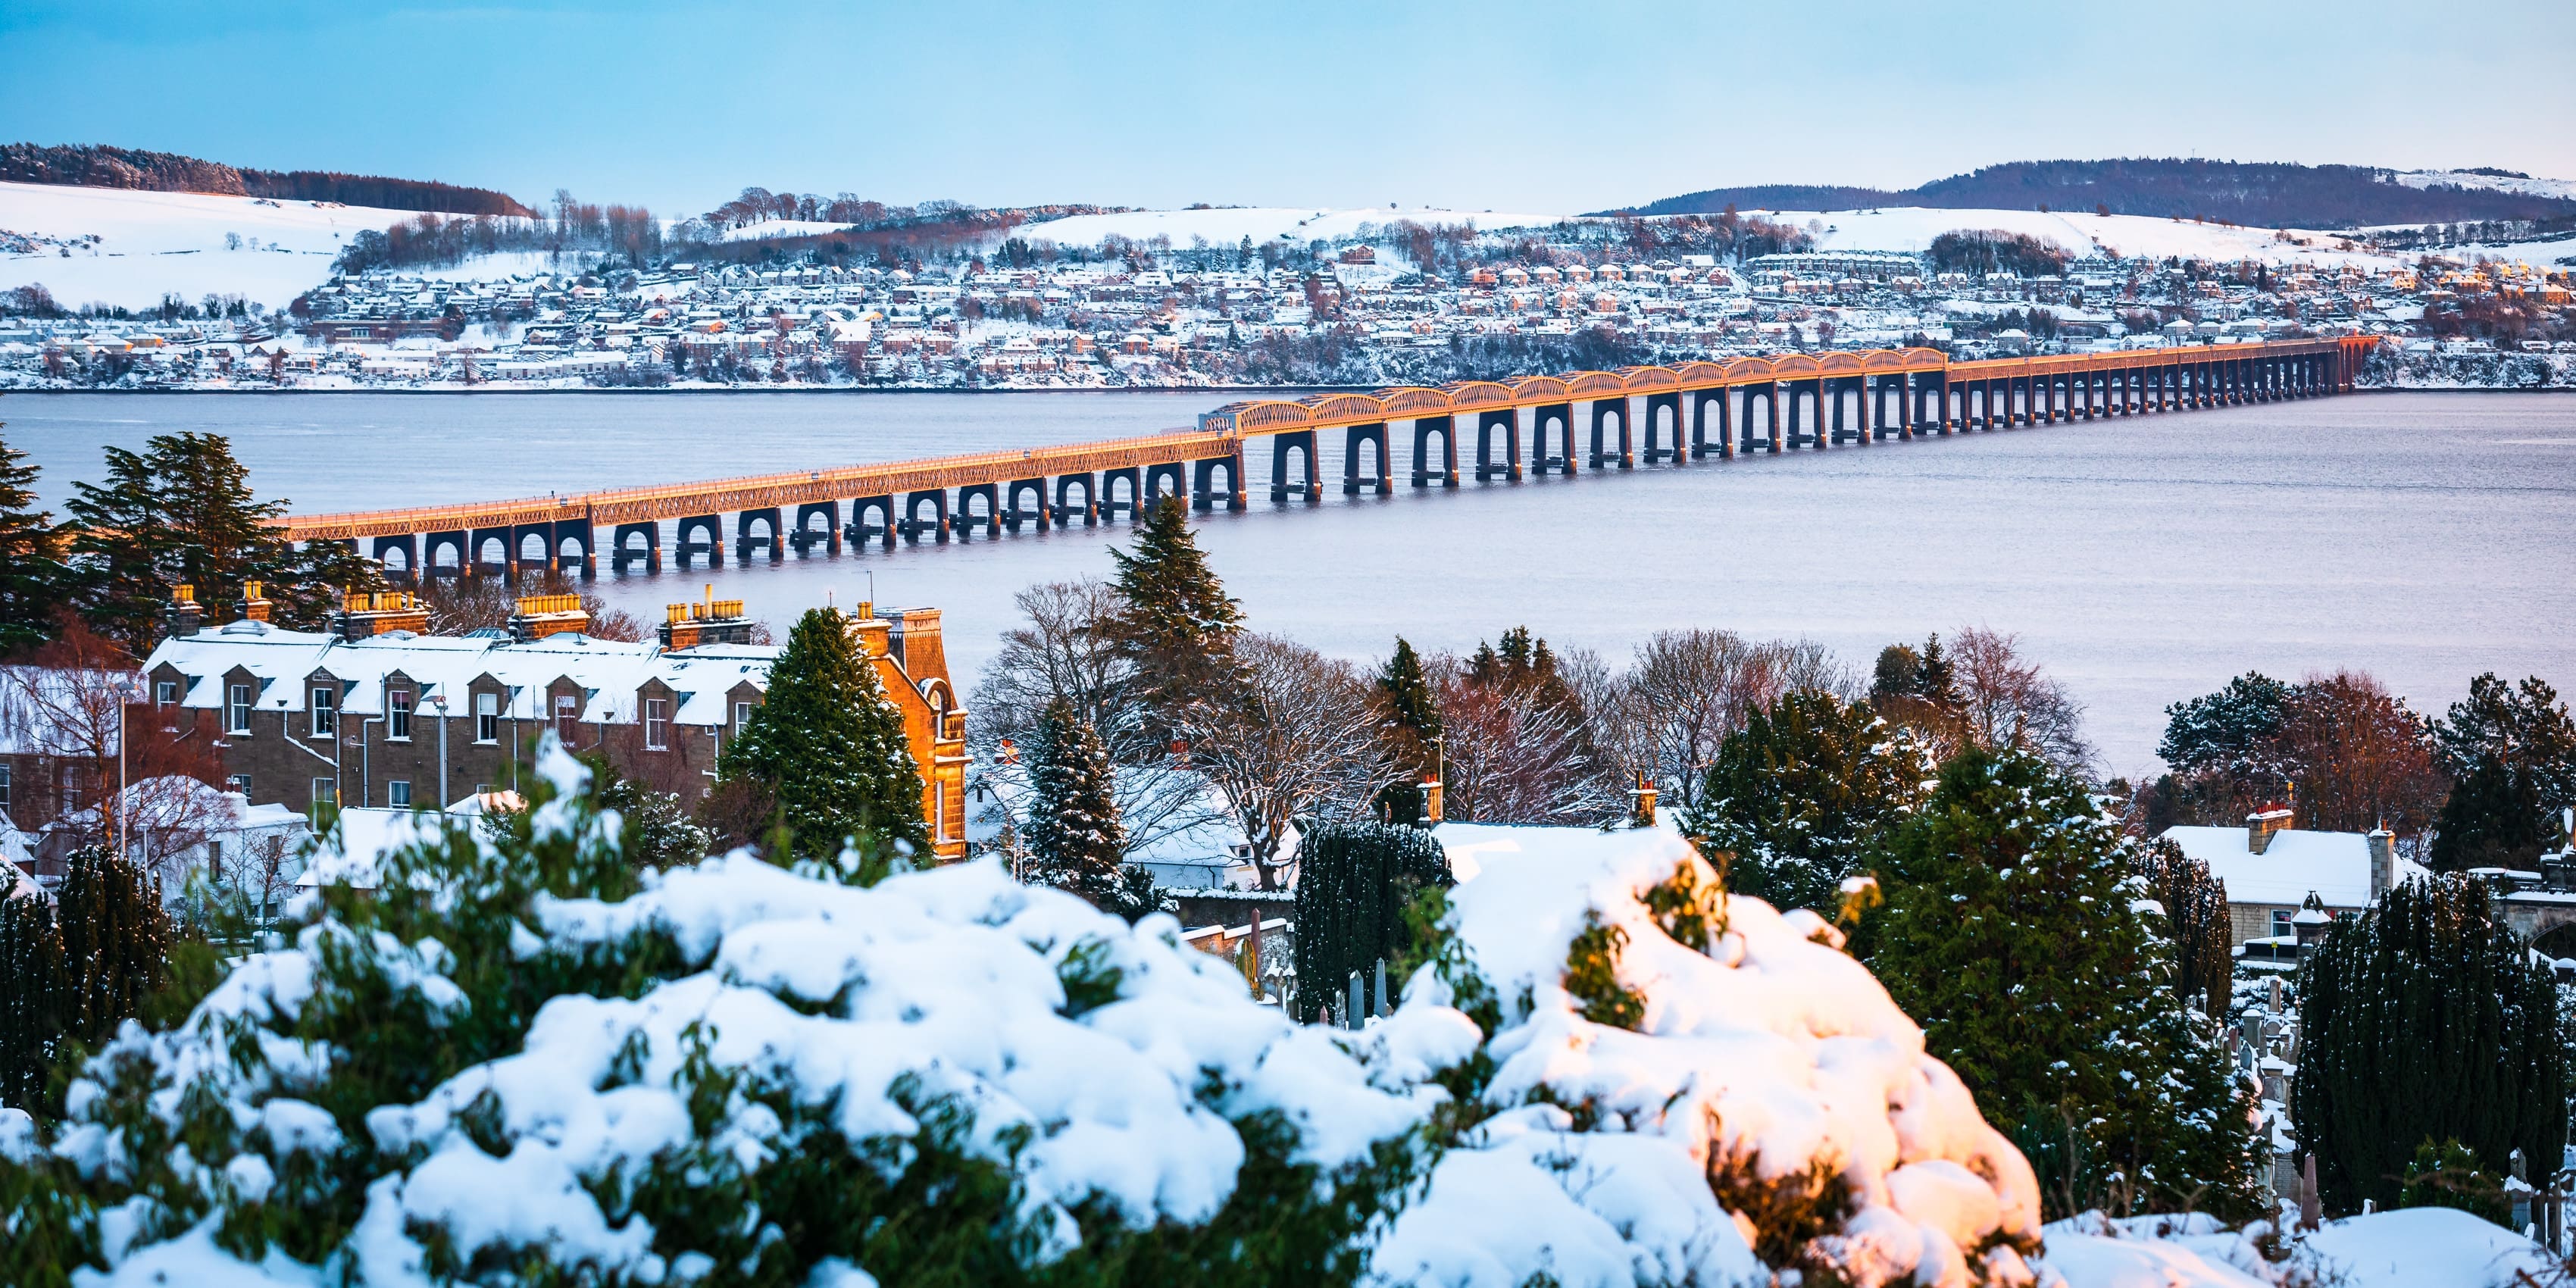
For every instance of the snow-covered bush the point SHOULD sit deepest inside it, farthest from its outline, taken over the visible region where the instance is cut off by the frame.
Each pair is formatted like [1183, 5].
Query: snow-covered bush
[1678, 1087]
[521, 1062]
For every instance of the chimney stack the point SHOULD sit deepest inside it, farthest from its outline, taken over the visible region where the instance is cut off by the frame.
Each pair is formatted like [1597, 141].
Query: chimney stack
[2383, 862]
[1641, 803]
[1432, 789]
[364, 614]
[542, 615]
[253, 605]
[2260, 825]
[710, 621]
[183, 616]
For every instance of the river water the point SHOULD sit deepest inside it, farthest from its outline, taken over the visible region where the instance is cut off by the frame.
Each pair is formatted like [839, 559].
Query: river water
[2422, 537]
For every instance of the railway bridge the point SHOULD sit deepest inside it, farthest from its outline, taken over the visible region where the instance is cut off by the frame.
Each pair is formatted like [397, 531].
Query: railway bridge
[1563, 424]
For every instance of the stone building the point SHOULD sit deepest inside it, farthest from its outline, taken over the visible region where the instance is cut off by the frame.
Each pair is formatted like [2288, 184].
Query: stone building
[2270, 868]
[372, 714]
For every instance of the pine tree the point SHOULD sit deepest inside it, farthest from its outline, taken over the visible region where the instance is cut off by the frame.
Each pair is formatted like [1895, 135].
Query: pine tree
[32, 576]
[31, 993]
[2511, 753]
[829, 750]
[1408, 731]
[1354, 883]
[115, 935]
[1074, 838]
[2196, 924]
[2425, 1019]
[1175, 624]
[1803, 797]
[2009, 934]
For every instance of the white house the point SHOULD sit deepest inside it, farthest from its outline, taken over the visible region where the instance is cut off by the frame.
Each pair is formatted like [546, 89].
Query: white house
[2270, 868]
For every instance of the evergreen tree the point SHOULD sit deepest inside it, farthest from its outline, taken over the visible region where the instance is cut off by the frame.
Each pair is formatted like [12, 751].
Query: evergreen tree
[1074, 838]
[2009, 934]
[655, 831]
[115, 935]
[2196, 924]
[827, 749]
[1354, 883]
[32, 576]
[182, 512]
[2511, 753]
[31, 992]
[1803, 797]
[1408, 730]
[2425, 1019]
[1175, 624]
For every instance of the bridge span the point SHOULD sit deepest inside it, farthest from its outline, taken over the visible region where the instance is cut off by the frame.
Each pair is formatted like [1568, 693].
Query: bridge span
[1692, 411]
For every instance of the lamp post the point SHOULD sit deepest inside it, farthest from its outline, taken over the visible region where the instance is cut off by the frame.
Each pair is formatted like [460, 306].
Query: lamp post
[127, 693]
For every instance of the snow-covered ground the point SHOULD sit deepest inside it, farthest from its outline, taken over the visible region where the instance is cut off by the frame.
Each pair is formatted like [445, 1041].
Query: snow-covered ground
[124, 247]
[782, 228]
[1229, 226]
[2490, 182]
[1912, 228]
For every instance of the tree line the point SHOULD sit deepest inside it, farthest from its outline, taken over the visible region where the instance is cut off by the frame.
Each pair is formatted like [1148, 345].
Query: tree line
[102, 166]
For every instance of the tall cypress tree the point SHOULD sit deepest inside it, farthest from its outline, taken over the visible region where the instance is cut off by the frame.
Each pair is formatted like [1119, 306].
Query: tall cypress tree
[1803, 796]
[31, 996]
[2009, 935]
[32, 576]
[2196, 924]
[116, 937]
[1175, 624]
[1354, 882]
[828, 748]
[2511, 753]
[2425, 1019]
[1074, 837]
[1408, 729]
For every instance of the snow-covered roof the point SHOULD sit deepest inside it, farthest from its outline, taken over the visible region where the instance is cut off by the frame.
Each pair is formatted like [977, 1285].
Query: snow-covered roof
[2334, 865]
[1470, 846]
[609, 672]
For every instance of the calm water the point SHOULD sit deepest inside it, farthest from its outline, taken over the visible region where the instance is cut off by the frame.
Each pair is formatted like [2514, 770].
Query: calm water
[2423, 537]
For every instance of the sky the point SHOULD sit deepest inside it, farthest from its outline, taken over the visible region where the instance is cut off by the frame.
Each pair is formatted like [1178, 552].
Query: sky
[1534, 106]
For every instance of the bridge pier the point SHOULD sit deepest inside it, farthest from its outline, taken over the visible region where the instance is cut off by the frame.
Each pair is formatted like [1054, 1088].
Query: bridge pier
[1358, 436]
[1203, 493]
[937, 525]
[1301, 442]
[1013, 515]
[1603, 410]
[1541, 459]
[1134, 506]
[456, 542]
[585, 564]
[1066, 511]
[1700, 402]
[771, 519]
[1650, 429]
[1171, 479]
[406, 546]
[803, 536]
[889, 521]
[651, 555]
[708, 530]
[963, 517]
[1424, 473]
[1487, 422]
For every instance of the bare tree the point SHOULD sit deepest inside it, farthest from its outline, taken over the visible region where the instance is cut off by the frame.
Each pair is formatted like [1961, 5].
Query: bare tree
[1686, 691]
[1064, 650]
[1514, 756]
[1299, 743]
[2357, 758]
[68, 703]
[2006, 701]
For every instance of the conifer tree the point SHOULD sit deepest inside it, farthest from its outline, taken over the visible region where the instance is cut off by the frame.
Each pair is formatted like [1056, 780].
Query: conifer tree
[2010, 936]
[115, 937]
[1074, 838]
[1354, 882]
[31, 992]
[1408, 730]
[1803, 797]
[2425, 1019]
[1175, 624]
[828, 750]
[2196, 924]
[32, 576]
[2511, 753]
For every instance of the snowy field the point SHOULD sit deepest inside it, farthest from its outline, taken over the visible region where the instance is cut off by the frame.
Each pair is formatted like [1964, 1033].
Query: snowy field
[2491, 182]
[1912, 228]
[1230, 226]
[119, 246]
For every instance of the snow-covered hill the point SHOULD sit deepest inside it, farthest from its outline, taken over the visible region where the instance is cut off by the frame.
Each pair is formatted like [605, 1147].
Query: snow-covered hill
[126, 247]
[1912, 228]
[2489, 182]
[1230, 225]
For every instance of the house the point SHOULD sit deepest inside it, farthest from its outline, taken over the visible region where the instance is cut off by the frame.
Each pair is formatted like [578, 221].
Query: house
[2271, 868]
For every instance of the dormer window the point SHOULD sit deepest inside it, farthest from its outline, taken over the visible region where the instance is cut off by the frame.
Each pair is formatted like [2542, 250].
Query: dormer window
[326, 710]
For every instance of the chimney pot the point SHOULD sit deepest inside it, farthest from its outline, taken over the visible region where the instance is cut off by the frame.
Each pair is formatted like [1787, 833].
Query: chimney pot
[2260, 826]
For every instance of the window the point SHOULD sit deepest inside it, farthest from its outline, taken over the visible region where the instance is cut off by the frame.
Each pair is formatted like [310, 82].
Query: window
[71, 788]
[398, 715]
[939, 810]
[237, 709]
[238, 783]
[487, 717]
[657, 724]
[2281, 926]
[398, 794]
[741, 716]
[326, 710]
[326, 791]
[4, 789]
[567, 720]
[164, 692]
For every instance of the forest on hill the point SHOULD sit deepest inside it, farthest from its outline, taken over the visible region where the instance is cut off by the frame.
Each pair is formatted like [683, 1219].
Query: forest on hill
[103, 166]
[2266, 194]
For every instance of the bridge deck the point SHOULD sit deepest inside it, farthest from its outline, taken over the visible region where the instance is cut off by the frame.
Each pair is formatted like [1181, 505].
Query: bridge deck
[1222, 433]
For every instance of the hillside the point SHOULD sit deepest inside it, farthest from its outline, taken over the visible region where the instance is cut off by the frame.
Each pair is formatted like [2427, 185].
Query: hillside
[101, 166]
[2265, 195]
